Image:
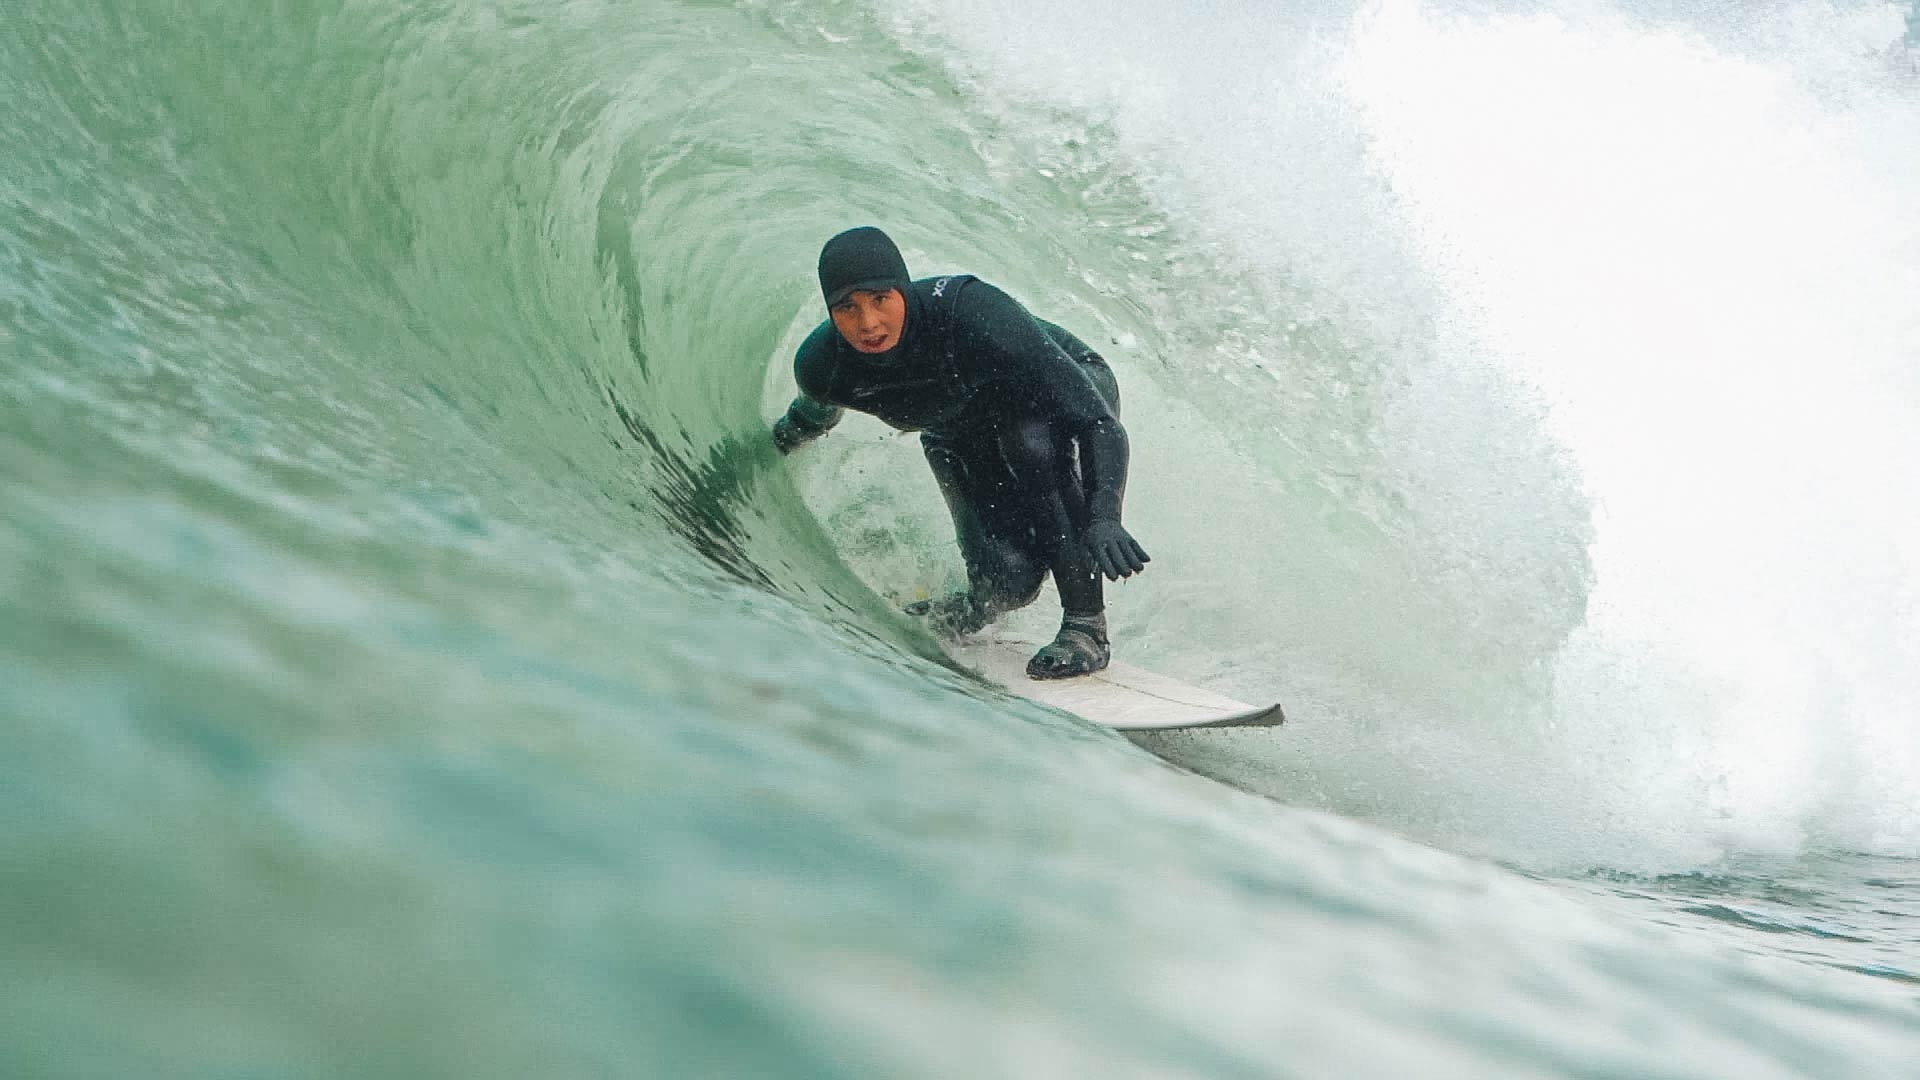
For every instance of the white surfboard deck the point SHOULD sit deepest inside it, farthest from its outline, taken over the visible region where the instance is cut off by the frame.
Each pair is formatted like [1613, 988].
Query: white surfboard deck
[1123, 697]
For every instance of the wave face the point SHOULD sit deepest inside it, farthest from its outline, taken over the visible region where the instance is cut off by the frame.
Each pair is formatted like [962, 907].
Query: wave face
[415, 660]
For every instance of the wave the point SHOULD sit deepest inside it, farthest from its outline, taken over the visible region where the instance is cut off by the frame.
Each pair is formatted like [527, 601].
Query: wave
[404, 614]
[1499, 369]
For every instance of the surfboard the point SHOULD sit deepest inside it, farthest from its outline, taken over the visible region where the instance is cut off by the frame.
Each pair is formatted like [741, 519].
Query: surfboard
[1123, 697]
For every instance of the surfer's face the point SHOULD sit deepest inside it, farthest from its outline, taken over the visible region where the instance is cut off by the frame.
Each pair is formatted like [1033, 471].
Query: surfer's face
[871, 321]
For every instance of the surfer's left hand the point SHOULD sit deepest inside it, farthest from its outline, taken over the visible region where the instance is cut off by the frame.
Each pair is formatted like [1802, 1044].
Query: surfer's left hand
[1115, 552]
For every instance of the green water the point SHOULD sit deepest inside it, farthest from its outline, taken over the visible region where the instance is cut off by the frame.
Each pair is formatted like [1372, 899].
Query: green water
[415, 661]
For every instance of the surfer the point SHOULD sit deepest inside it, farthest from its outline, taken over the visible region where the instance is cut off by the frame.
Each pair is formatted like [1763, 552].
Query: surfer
[1020, 423]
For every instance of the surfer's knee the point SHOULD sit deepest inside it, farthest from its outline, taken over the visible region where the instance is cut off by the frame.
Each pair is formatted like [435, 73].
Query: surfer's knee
[1031, 447]
[1011, 597]
[1104, 383]
[1005, 577]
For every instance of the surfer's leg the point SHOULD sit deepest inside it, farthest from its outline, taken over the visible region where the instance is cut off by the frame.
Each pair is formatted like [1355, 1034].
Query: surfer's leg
[1055, 500]
[1002, 573]
[1057, 512]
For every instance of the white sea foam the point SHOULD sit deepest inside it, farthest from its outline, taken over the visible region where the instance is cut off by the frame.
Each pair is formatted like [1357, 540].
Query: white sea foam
[1669, 259]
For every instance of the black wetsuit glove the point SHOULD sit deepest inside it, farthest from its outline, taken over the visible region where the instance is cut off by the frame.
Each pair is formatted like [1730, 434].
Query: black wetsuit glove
[804, 421]
[1115, 552]
[787, 435]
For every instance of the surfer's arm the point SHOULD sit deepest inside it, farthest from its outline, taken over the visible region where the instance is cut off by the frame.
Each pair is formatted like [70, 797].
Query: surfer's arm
[1032, 365]
[1027, 359]
[805, 420]
[813, 412]
[1103, 464]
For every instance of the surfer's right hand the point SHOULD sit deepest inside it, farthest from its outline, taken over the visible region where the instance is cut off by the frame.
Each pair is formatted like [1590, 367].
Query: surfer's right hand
[1115, 552]
[785, 436]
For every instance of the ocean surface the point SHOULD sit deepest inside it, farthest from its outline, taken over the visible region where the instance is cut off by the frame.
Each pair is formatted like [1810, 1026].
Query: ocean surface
[415, 661]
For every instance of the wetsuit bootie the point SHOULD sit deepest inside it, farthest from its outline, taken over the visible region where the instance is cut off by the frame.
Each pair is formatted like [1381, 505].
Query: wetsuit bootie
[953, 615]
[1080, 648]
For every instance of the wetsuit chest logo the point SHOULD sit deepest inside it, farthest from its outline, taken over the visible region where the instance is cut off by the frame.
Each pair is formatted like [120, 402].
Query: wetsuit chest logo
[862, 392]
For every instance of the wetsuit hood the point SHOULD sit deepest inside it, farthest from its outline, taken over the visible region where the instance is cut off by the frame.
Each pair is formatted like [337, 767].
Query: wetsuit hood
[866, 258]
[862, 258]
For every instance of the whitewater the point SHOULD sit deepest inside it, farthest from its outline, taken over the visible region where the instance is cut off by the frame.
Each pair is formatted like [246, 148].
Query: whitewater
[415, 660]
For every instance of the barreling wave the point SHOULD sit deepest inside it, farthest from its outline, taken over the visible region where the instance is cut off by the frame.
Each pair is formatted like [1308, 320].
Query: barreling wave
[543, 265]
[402, 606]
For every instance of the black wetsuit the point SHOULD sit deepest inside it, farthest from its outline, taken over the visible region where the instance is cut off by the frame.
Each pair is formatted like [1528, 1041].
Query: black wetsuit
[1019, 420]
